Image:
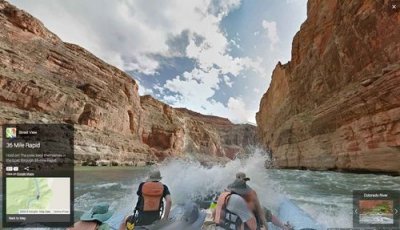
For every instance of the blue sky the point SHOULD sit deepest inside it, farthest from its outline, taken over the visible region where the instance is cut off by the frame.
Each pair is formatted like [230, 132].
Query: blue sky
[211, 56]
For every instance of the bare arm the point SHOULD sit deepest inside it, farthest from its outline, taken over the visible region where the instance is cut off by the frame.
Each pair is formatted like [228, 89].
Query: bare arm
[168, 204]
[251, 223]
[278, 223]
[260, 213]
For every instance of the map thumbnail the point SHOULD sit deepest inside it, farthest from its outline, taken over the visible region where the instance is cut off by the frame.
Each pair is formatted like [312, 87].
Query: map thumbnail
[37, 195]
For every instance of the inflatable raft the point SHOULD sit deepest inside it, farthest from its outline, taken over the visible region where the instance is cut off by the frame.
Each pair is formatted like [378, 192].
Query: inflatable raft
[297, 217]
[288, 212]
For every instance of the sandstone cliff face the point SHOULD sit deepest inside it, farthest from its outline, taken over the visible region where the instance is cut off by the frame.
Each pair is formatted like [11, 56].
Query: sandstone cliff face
[336, 104]
[171, 132]
[45, 80]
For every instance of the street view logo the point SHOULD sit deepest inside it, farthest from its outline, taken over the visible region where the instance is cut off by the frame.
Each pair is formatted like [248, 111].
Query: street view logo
[11, 133]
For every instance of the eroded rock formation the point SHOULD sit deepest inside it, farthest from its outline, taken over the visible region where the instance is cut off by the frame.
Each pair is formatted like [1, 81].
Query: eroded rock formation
[336, 104]
[170, 131]
[45, 80]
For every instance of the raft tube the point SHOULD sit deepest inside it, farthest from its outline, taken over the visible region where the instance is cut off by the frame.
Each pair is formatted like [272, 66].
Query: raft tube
[297, 217]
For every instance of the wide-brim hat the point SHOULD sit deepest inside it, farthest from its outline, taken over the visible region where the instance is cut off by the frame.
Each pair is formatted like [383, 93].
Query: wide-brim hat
[99, 212]
[155, 176]
[239, 187]
[242, 176]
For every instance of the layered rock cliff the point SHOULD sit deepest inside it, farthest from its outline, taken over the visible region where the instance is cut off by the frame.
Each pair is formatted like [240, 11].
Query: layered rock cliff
[336, 104]
[45, 80]
[170, 132]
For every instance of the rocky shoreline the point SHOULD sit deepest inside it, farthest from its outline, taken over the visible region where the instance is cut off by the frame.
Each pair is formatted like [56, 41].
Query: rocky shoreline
[113, 163]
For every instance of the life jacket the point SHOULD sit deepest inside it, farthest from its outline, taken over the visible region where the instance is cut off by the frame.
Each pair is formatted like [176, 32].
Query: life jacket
[149, 202]
[225, 218]
[152, 194]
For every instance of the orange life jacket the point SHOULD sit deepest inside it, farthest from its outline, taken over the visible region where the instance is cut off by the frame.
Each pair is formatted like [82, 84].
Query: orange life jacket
[152, 194]
[223, 217]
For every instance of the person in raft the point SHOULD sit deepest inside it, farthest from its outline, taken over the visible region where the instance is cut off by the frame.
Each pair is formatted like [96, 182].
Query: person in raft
[94, 219]
[262, 215]
[232, 211]
[150, 205]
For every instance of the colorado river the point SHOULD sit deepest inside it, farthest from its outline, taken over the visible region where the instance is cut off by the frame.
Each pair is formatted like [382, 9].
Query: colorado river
[326, 196]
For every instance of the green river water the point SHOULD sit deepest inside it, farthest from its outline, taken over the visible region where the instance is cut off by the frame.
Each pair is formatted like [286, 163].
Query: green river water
[326, 196]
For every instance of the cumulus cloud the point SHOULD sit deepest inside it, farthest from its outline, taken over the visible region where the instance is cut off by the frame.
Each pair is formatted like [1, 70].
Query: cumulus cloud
[134, 34]
[238, 108]
[228, 81]
[195, 90]
[143, 90]
[272, 32]
[127, 33]
[195, 87]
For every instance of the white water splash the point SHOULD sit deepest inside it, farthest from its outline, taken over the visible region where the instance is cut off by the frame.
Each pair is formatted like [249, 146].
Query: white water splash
[190, 179]
[325, 196]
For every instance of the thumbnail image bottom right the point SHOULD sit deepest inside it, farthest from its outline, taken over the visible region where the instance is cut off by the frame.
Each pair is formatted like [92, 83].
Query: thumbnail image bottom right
[376, 212]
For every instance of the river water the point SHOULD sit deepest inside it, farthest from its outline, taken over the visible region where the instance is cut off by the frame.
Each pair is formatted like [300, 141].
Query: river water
[326, 196]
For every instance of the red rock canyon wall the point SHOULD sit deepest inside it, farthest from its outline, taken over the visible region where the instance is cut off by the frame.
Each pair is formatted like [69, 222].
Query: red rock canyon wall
[44, 80]
[336, 104]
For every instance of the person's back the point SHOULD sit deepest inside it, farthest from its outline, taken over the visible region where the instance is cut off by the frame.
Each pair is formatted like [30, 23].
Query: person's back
[262, 214]
[150, 205]
[94, 219]
[236, 213]
[232, 212]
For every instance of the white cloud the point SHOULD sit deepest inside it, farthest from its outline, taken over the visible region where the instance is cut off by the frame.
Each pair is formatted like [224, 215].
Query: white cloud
[143, 90]
[143, 64]
[212, 52]
[195, 89]
[272, 32]
[126, 32]
[131, 34]
[228, 81]
[234, 43]
[238, 107]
